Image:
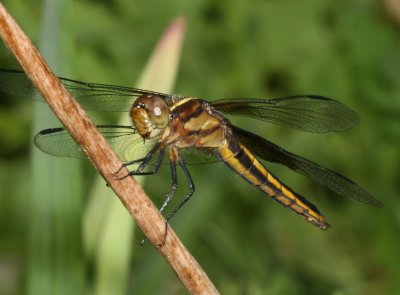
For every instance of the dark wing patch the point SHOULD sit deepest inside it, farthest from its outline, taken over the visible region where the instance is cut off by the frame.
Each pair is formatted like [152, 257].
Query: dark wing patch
[309, 113]
[332, 180]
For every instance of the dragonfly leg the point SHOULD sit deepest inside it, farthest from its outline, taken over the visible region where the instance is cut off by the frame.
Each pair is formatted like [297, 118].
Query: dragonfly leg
[143, 164]
[188, 196]
[174, 186]
[173, 157]
[126, 164]
[174, 183]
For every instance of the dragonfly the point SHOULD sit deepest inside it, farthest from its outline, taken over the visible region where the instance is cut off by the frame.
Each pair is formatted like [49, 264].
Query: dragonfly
[184, 130]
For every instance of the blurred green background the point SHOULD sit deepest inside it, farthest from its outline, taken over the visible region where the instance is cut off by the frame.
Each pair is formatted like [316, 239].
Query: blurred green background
[345, 49]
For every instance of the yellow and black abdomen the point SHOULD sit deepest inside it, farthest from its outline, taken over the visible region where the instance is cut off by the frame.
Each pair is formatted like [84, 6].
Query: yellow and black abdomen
[244, 163]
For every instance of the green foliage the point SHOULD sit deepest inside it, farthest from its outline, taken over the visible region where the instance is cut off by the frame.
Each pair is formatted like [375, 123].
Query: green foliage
[347, 50]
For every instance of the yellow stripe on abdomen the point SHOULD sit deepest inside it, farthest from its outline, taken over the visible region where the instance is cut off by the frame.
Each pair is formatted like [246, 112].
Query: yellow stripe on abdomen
[243, 162]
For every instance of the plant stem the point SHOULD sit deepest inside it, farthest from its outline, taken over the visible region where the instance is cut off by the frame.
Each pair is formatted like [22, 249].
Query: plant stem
[103, 158]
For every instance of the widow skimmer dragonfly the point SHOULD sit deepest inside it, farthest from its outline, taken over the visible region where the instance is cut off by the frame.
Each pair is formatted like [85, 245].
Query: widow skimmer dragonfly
[192, 130]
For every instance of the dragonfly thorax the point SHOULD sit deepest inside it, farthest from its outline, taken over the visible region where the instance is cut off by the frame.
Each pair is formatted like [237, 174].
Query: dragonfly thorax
[150, 115]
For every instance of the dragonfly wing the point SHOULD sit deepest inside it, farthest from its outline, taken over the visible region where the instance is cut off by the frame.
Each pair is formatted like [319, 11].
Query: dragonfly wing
[91, 96]
[125, 142]
[309, 113]
[330, 179]
[128, 144]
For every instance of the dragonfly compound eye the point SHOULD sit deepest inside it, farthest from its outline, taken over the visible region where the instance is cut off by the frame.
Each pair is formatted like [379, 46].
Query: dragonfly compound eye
[158, 112]
[150, 114]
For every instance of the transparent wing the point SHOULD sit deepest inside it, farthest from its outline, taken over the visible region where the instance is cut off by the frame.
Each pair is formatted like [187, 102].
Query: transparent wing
[91, 96]
[332, 180]
[125, 142]
[309, 113]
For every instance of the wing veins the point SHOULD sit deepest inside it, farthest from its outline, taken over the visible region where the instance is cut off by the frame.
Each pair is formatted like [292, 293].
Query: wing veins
[309, 113]
[92, 96]
[328, 178]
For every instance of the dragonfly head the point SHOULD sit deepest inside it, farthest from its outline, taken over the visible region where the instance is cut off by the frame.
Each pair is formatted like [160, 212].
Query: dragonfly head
[150, 115]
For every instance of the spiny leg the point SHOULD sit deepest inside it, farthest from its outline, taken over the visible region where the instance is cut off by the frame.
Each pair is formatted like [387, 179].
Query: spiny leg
[174, 182]
[174, 185]
[143, 163]
[188, 196]
[173, 156]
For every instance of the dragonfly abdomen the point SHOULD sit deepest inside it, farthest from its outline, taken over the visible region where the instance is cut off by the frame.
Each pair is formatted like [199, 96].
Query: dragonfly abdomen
[244, 163]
